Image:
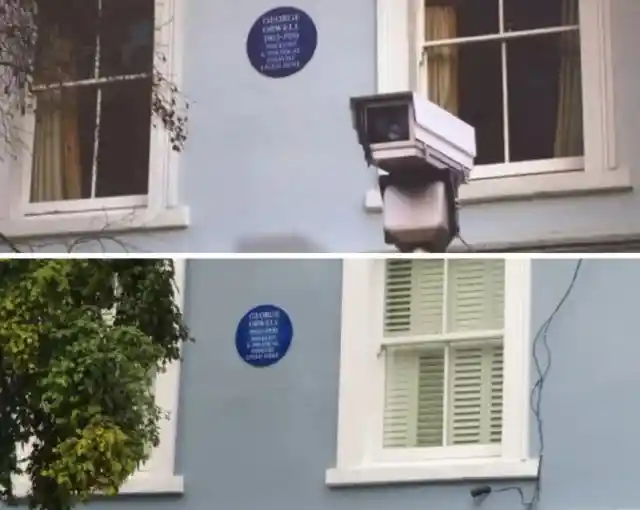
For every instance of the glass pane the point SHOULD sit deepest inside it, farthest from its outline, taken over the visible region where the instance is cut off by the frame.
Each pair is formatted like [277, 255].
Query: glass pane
[452, 78]
[414, 397]
[545, 97]
[63, 144]
[125, 131]
[447, 19]
[529, 14]
[66, 46]
[388, 123]
[127, 37]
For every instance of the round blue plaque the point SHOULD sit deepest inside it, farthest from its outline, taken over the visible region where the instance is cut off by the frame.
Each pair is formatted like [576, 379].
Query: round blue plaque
[281, 42]
[264, 335]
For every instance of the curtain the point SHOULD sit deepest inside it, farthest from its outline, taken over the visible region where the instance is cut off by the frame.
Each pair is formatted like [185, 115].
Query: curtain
[56, 170]
[568, 138]
[442, 61]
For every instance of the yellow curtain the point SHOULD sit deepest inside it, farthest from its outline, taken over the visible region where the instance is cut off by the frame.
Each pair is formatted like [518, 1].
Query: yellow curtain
[568, 138]
[56, 171]
[442, 61]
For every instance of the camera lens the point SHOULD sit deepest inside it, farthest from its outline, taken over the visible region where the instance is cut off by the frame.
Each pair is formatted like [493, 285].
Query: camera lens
[388, 123]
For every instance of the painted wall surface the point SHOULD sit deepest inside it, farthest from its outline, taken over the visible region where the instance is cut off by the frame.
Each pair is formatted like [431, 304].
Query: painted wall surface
[254, 438]
[274, 165]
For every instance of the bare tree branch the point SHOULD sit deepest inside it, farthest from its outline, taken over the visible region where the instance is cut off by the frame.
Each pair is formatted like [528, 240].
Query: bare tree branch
[12, 245]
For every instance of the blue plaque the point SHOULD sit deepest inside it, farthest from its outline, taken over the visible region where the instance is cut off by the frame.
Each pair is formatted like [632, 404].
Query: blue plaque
[281, 42]
[264, 335]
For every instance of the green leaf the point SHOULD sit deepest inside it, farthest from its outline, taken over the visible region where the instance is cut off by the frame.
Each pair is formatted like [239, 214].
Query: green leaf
[76, 385]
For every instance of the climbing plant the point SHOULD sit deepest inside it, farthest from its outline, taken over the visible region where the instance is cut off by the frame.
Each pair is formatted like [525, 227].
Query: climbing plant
[80, 341]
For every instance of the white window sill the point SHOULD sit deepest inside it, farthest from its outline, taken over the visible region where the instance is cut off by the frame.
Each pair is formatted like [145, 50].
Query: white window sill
[142, 484]
[95, 222]
[526, 187]
[436, 471]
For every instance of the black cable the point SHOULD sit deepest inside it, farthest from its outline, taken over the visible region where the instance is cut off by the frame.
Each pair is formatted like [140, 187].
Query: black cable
[535, 401]
[465, 243]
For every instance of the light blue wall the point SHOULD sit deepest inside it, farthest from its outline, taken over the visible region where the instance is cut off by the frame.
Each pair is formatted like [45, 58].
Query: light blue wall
[264, 157]
[262, 438]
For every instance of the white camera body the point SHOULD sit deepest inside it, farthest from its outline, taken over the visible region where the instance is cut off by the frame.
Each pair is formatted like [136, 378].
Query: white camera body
[426, 153]
[404, 132]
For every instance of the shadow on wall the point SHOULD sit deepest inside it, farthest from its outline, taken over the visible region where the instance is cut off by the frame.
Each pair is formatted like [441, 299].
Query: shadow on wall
[278, 243]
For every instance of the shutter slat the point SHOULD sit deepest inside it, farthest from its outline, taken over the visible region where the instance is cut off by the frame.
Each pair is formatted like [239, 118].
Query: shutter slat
[431, 398]
[475, 395]
[400, 400]
[496, 382]
[475, 295]
[465, 395]
[413, 300]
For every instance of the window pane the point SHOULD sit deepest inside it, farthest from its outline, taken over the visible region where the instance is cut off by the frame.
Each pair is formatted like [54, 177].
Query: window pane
[125, 131]
[127, 37]
[445, 19]
[545, 97]
[416, 382]
[63, 144]
[66, 40]
[529, 14]
[453, 82]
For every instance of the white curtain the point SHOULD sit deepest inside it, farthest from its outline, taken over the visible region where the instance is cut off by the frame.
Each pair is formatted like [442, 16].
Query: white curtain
[568, 139]
[56, 171]
[442, 62]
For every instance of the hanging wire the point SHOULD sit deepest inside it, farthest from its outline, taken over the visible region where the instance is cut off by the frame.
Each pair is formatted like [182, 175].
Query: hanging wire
[542, 370]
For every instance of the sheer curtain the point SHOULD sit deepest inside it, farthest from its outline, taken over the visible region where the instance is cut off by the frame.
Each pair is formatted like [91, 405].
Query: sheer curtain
[56, 170]
[568, 139]
[442, 61]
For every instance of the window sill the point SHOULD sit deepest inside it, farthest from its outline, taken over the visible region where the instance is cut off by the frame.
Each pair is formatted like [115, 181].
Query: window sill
[527, 187]
[95, 222]
[141, 484]
[146, 484]
[437, 471]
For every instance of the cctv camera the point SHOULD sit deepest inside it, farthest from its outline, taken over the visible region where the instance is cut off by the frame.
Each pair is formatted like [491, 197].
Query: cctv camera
[405, 133]
[426, 153]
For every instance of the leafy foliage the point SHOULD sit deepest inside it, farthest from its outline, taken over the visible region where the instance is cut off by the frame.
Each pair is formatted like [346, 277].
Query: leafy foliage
[80, 342]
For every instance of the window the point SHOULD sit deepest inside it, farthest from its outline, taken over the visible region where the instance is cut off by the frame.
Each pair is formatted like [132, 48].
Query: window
[533, 78]
[434, 374]
[157, 475]
[528, 104]
[92, 143]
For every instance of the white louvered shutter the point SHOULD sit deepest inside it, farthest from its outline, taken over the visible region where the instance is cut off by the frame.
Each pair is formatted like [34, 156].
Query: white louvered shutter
[475, 395]
[416, 388]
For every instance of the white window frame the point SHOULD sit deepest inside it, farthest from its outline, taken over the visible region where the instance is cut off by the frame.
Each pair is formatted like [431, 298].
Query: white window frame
[360, 456]
[159, 208]
[157, 475]
[399, 47]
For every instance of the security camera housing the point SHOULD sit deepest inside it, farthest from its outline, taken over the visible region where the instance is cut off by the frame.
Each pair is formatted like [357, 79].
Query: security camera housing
[405, 133]
[425, 153]
[419, 217]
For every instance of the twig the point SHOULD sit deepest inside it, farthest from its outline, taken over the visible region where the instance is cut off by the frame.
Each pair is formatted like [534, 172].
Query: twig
[11, 244]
